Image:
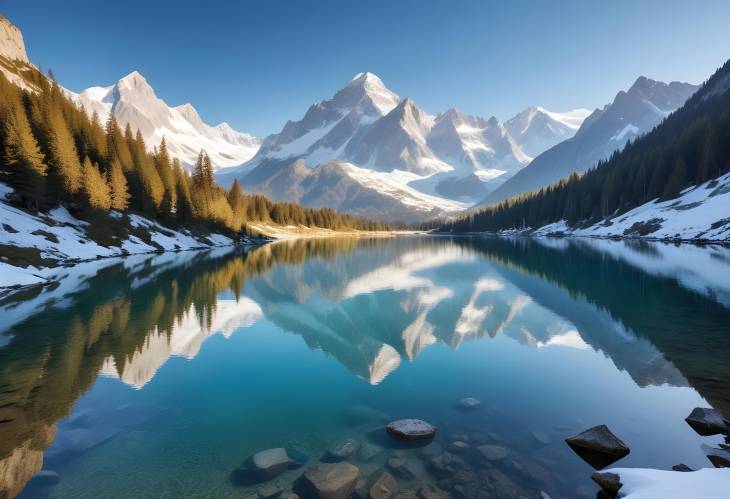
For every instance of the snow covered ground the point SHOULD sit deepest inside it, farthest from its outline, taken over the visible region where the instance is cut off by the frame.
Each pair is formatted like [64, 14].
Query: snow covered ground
[707, 483]
[701, 213]
[60, 238]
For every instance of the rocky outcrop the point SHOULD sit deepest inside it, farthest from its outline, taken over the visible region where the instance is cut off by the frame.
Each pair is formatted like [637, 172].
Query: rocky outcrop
[11, 41]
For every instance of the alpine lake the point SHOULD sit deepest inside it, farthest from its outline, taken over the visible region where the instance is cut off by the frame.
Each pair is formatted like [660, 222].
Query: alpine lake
[162, 375]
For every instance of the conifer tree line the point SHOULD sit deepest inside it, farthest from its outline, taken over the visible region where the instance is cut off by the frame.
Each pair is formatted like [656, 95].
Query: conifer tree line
[690, 147]
[52, 152]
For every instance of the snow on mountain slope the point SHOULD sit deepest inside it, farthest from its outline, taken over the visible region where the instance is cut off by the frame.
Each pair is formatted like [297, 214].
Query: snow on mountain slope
[536, 129]
[700, 213]
[133, 101]
[60, 237]
[378, 140]
[632, 113]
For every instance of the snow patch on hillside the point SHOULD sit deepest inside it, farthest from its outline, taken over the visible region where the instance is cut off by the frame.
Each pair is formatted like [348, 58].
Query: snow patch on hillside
[61, 238]
[701, 213]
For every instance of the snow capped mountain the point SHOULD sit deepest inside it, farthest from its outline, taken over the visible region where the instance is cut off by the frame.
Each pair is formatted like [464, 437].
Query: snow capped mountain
[133, 101]
[632, 113]
[536, 129]
[378, 150]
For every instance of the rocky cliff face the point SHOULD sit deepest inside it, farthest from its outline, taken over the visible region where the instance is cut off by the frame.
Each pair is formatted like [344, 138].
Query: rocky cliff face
[11, 41]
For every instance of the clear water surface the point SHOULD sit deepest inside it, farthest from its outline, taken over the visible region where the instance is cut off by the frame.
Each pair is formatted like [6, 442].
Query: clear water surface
[156, 376]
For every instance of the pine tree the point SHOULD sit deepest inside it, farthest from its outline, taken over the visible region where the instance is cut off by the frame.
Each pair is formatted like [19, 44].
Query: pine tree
[164, 170]
[117, 183]
[95, 187]
[677, 180]
[22, 157]
[63, 160]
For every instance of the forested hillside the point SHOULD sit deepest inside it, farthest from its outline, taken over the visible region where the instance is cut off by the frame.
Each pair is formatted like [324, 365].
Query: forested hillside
[690, 147]
[52, 153]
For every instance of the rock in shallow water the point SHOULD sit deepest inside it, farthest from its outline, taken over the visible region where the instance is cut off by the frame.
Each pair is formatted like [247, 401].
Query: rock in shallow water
[681, 467]
[341, 450]
[706, 421]
[468, 404]
[411, 429]
[598, 446]
[330, 480]
[383, 486]
[493, 452]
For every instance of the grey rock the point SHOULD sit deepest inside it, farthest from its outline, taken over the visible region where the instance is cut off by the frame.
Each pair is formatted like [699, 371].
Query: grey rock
[598, 446]
[493, 452]
[445, 464]
[268, 464]
[342, 450]
[411, 429]
[706, 421]
[609, 482]
[330, 480]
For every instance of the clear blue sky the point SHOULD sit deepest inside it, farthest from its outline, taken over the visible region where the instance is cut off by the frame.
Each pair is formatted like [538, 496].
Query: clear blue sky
[257, 64]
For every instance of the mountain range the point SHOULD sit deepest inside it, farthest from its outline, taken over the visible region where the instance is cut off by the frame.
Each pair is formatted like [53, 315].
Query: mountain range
[369, 152]
[133, 101]
[632, 113]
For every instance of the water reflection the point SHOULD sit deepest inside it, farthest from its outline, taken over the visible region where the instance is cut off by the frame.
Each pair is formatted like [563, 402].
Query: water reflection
[653, 309]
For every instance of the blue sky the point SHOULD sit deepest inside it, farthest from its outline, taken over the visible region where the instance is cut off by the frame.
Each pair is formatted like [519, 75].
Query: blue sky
[257, 64]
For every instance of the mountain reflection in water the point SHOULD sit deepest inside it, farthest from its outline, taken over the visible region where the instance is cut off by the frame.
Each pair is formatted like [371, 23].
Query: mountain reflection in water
[372, 304]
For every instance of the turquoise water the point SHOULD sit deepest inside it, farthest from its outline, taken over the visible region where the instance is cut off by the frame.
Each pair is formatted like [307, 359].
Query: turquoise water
[157, 376]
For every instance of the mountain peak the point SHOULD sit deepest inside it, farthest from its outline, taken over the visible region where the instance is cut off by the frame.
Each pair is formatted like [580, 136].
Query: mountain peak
[134, 81]
[366, 77]
[366, 91]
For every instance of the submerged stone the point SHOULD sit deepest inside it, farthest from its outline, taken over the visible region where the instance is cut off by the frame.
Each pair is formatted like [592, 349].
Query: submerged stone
[493, 452]
[368, 452]
[341, 450]
[598, 446]
[267, 464]
[609, 482]
[468, 403]
[330, 480]
[707, 421]
[383, 486]
[411, 429]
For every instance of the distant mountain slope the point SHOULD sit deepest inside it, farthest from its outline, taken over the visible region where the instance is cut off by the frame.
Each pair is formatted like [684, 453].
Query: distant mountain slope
[536, 129]
[387, 153]
[133, 101]
[671, 183]
[606, 130]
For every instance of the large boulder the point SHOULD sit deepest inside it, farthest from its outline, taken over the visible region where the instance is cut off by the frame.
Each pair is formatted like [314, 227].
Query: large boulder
[598, 446]
[411, 429]
[706, 421]
[330, 480]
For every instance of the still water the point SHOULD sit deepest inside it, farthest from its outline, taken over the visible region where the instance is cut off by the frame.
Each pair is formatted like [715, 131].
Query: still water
[157, 376]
